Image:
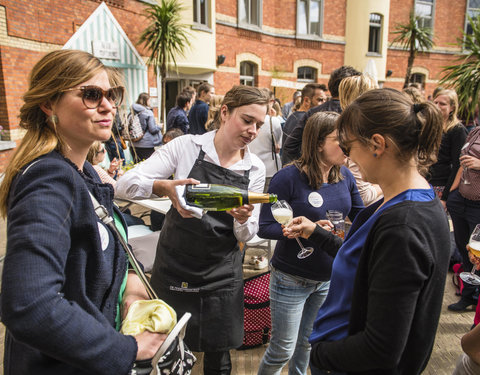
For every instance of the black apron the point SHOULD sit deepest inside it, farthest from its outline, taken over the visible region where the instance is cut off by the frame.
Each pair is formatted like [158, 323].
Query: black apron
[198, 268]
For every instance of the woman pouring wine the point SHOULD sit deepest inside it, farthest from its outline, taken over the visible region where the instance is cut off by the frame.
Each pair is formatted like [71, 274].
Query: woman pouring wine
[198, 267]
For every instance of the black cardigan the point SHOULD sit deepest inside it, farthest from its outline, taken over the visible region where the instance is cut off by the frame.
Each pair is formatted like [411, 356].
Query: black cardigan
[397, 295]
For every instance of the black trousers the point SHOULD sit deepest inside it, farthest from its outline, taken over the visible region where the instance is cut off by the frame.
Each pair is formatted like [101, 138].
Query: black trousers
[465, 215]
[217, 363]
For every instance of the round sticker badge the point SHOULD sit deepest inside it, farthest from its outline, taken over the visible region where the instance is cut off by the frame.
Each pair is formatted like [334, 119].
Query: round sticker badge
[315, 199]
[103, 232]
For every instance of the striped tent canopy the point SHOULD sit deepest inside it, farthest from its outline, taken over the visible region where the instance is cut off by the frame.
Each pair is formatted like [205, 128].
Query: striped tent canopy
[102, 35]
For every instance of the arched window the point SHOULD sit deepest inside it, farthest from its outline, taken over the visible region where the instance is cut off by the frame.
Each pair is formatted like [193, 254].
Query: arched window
[247, 73]
[375, 33]
[306, 74]
[418, 78]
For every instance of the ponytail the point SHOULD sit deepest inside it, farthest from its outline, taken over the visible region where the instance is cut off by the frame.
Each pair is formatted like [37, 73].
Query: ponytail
[428, 121]
[415, 129]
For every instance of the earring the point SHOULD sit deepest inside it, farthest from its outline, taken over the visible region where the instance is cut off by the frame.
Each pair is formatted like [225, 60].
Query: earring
[54, 119]
[374, 154]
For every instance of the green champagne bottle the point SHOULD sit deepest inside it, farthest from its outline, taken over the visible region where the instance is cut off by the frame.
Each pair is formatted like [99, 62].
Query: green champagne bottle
[215, 197]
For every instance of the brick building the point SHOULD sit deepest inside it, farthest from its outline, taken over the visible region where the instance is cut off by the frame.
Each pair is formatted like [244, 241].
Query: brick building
[270, 43]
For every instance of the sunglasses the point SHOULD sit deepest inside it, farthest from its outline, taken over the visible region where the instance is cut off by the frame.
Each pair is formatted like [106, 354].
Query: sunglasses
[102, 151]
[92, 96]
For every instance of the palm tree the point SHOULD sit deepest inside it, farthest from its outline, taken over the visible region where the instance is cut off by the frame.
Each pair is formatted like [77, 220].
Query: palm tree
[166, 38]
[464, 77]
[413, 38]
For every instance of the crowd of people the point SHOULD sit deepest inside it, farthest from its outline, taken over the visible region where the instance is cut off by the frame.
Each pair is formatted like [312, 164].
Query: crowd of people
[395, 165]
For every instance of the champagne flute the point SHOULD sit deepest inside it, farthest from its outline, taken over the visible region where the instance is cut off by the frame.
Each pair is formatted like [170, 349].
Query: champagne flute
[474, 247]
[283, 213]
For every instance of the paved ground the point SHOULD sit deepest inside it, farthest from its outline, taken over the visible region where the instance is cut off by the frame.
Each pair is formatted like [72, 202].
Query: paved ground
[446, 350]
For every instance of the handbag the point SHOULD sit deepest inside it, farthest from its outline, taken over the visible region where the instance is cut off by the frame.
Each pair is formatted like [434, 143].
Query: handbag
[135, 130]
[173, 357]
[257, 320]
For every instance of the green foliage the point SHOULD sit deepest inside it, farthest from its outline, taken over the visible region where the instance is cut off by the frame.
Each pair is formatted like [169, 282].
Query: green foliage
[165, 37]
[464, 77]
[413, 38]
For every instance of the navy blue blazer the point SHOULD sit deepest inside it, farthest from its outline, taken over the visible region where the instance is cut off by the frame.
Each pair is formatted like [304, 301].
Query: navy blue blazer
[62, 275]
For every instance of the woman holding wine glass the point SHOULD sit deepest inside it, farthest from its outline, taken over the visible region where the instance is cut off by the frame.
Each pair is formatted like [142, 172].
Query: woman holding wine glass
[311, 185]
[463, 204]
[382, 310]
[198, 265]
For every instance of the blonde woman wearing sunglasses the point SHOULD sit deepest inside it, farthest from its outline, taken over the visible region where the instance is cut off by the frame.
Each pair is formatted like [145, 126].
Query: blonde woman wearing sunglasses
[65, 277]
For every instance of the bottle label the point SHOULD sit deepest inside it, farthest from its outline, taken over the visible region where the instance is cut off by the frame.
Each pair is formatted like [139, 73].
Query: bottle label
[200, 187]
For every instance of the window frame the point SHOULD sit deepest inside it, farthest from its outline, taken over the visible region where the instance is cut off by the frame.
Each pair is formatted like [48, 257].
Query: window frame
[197, 14]
[379, 30]
[429, 3]
[248, 23]
[423, 78]
[309, 34]
[307, 80]
[246, 78]
[468, 12]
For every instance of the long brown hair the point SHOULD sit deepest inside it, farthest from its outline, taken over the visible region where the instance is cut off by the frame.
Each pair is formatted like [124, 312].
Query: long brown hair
[414, 129]
[53, 73]
[318, 127]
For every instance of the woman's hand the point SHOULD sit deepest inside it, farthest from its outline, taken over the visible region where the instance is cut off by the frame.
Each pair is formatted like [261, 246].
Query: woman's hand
[300, 227]
[114, 166]
[242, 213]
[471, 162]
[134, 291]
[167, 187]
[148, 344]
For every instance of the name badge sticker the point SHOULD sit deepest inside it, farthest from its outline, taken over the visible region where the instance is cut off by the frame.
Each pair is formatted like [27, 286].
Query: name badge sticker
[315, 199]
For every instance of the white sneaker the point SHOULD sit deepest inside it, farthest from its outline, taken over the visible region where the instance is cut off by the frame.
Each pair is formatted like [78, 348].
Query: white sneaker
[261, 262]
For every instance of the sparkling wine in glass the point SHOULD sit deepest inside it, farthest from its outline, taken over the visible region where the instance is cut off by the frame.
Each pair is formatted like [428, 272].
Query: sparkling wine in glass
[283, 214]
[474, 247]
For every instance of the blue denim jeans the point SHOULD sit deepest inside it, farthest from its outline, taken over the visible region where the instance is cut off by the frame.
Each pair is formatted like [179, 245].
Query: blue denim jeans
[294, 303]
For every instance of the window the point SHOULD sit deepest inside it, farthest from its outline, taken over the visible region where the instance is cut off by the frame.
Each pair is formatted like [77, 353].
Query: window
[307, 74]
[418, 78]
[473, 11]
[309, 17]
[201, 12]
[424, 10]
[249, 12]
[247, 73]
[375, 33]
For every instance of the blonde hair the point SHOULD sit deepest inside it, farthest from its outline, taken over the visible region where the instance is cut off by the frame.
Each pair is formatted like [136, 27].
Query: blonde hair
[452, 120]
[352, 87]
[52, 74]
[93, 151]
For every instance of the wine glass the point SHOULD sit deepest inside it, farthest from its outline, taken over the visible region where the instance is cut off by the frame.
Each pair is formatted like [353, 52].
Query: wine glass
[283, 213]
[474, 247]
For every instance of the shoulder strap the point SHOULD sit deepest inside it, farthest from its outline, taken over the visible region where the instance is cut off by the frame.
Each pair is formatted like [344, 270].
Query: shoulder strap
[103, 215]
